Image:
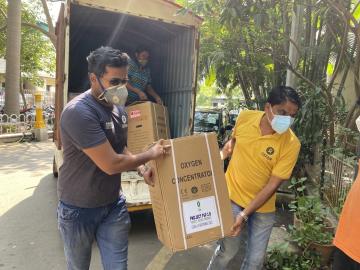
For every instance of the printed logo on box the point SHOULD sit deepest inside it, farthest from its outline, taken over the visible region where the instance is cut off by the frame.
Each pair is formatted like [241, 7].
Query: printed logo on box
[135, 113]
[194, 190]
[200, 215]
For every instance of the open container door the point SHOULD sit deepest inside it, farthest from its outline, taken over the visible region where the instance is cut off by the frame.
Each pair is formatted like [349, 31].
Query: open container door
[60, 73]
[61, 32]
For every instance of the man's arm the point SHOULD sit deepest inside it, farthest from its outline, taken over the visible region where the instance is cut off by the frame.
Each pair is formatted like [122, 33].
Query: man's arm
[143, 170]
[140, 93]
[110, 162]
[262, 197]
[228, 148]
[152, 93]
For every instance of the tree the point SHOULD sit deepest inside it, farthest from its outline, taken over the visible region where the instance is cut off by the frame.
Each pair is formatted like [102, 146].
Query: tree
[37, 47]
[241, 39]
[247, 43]
[12, 79]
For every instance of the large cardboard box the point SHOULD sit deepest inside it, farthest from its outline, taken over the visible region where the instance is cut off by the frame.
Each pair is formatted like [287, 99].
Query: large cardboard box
[196, 209]
[147, 123]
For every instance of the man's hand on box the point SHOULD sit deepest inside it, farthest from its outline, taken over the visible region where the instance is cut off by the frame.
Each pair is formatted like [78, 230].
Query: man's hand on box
[142, 95]
[159, 149]
[148, 175]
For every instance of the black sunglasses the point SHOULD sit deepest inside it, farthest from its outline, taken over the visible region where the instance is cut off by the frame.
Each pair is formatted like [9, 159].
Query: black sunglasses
[117, 81]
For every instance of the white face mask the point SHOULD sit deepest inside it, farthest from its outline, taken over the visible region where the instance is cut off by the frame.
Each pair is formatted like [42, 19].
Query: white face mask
[281, 123]
[115, 95]
[358, 123]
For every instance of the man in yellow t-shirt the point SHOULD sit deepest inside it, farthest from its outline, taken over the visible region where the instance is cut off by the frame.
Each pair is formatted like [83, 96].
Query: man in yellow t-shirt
[264, 151]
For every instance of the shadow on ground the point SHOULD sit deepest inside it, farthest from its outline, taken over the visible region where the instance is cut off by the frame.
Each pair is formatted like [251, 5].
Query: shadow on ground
[15, 158]
[28, 231]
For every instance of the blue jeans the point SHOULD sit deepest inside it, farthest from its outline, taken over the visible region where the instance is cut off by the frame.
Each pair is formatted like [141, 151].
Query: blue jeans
[108, 226]
[259, 228]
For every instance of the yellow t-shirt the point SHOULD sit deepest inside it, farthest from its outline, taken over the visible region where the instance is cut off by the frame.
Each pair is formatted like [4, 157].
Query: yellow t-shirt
[255, 158]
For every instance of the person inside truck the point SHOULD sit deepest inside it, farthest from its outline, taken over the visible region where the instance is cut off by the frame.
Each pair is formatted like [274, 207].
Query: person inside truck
[263, 152]
[139, 84]
[93, 130]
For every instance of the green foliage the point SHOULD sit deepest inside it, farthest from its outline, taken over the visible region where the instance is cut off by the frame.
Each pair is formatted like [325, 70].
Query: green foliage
[356, 12]
[309, 209]
[310, 122]
[37, 52]
[238, 41]
[313, 225]
[280, 258]
[309, 233]
[205, 94]
[298, 187]
[246, 43]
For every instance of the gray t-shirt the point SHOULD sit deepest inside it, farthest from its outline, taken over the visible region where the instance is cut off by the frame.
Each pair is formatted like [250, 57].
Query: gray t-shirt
[86, 123]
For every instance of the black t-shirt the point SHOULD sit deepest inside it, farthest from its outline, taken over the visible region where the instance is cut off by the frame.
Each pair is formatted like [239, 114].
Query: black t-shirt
[86, 123]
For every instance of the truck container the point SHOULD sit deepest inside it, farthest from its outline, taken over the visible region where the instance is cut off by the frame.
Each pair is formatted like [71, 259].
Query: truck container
[173, 40]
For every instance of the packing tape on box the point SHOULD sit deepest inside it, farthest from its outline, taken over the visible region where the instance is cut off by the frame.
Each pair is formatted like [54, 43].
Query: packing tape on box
[178, 193]
[215, 188]
[178, 189]
[166, 123]
[156, 121]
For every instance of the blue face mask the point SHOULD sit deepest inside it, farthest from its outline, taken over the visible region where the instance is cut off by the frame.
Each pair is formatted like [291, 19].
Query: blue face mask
[281, 123]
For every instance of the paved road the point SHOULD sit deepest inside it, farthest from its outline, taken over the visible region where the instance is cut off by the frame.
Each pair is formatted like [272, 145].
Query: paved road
[29, 238]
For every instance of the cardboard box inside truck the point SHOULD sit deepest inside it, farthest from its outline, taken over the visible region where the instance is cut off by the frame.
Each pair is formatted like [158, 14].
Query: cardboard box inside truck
[147, 122]
[195, 209]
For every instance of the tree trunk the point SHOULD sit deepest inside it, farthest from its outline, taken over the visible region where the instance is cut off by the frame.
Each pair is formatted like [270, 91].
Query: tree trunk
[22, 93]
[13, 43]
[245, 91]
[48, 17]
[296, 29]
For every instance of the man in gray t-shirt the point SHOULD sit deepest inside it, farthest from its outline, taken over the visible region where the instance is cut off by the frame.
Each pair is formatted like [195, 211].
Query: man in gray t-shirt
[93, 130]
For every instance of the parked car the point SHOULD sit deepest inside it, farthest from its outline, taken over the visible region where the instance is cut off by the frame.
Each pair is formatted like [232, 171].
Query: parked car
[232, 116]
[210, 120]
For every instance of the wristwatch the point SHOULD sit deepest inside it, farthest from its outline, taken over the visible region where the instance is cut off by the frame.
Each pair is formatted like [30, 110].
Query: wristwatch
[244, 216]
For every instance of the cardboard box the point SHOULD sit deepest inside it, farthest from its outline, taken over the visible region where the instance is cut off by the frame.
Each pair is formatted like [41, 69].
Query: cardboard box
[147, 122]
[196, 209]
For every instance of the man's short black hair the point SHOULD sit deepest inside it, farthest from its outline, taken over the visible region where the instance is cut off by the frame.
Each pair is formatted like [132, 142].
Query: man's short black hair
[102, 57]
[281, 94]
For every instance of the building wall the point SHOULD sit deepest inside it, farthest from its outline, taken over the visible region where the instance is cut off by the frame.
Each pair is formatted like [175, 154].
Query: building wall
[349, 88]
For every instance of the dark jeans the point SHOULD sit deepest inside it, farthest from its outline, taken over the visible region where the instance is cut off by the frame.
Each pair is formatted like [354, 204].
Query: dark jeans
[108, 226]
[344, 262]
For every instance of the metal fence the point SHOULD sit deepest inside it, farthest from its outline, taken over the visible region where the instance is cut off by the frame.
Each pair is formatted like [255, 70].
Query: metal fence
[23, 123]
[48, 98]
[337, 181]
